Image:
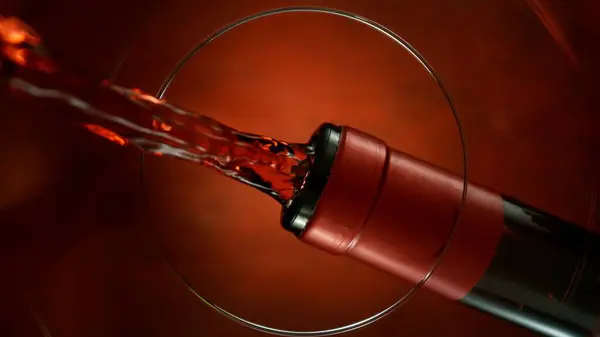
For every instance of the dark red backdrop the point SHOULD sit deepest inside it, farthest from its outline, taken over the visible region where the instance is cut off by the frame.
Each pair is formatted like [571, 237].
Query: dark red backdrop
[76, 244]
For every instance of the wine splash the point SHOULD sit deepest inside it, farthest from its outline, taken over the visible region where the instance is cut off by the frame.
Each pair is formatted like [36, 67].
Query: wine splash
[129, 117]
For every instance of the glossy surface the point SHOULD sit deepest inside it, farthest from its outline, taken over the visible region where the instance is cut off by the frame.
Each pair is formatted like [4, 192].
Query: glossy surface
[398, 214]
[544, 274]
[75, 238]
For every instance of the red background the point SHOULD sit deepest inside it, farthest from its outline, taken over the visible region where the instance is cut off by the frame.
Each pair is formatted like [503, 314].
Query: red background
[77, 245]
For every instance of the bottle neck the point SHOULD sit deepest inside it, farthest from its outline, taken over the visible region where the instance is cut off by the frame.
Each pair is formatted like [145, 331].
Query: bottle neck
[325, 142]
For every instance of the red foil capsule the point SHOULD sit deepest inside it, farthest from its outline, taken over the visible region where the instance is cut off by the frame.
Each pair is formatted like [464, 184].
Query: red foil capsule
[396, 213]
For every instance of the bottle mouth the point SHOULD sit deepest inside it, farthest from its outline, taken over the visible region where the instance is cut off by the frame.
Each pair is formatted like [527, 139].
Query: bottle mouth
[325, 142]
